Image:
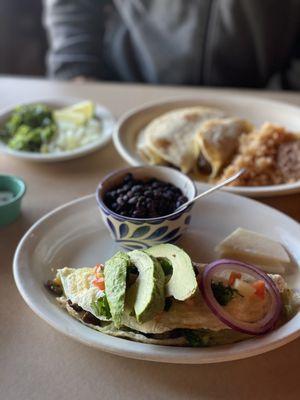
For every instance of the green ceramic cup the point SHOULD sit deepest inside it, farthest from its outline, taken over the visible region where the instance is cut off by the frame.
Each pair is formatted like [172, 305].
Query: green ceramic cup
[12, 190]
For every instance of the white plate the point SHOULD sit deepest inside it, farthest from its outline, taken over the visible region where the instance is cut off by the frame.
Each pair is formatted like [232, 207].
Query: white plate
[61, 239]
[103, 113]
[256, 110]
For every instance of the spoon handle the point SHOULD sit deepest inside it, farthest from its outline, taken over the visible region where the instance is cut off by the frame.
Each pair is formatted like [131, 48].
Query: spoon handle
[213, 189]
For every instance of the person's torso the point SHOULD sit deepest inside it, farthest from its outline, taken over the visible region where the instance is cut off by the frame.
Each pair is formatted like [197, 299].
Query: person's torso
[200, 42]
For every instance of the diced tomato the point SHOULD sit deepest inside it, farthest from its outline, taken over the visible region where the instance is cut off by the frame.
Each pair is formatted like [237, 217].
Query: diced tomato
[99, 283]
[233, 276]
[260, 289]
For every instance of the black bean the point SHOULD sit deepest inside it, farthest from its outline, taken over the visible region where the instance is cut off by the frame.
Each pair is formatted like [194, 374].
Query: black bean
[136, 188]
[133, 200]
[155, 184]
[144, 199]
[120, 200]
[127, 187]
[128, 177]
[112, 193]
[182, 199]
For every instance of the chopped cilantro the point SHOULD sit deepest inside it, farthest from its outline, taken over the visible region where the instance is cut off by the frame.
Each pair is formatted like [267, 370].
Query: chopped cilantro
[206, 337]
[101, 307]
[223, 294]
[197, 338]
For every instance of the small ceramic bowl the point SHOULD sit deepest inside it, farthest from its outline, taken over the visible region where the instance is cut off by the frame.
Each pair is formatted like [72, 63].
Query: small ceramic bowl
[140, 233]
[12, 190]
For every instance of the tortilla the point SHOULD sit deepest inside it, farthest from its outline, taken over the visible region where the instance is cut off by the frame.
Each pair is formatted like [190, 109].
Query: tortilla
[169, 137]
[190, 314]
[185, 323]
[109, 329]
[217, 141]
[78, 287]
[209, 338]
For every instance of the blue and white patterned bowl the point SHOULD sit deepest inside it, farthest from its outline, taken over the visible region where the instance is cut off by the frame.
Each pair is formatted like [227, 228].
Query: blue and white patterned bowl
[140, 233]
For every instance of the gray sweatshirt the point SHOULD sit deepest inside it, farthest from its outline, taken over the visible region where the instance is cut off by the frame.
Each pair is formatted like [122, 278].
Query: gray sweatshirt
[192, 42]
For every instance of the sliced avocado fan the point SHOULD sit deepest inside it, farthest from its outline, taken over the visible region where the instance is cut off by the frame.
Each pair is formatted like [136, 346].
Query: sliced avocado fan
[182, 283]
[115, 271]
[147, 295]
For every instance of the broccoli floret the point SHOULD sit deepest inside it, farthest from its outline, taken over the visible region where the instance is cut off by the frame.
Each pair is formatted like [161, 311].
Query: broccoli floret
[28, 139]
[29, 127]
[33, 115]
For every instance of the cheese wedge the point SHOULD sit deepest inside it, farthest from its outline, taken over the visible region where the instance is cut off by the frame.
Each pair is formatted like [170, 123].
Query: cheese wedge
[254, 248]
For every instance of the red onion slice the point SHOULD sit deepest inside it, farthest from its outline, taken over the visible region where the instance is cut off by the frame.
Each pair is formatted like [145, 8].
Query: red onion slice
[252, 328]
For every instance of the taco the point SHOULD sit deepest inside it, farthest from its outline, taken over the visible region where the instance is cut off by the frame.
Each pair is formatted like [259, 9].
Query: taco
[168, 139]
[135, 296]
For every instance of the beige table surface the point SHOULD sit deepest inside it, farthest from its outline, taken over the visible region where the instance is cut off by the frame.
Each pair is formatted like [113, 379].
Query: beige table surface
[36, 362]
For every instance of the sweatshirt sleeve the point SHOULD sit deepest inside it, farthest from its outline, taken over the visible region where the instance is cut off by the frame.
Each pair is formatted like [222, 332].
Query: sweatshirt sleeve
[75, 31]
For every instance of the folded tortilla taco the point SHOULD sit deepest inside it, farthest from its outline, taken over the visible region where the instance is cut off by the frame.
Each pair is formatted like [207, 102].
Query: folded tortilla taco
[216, 142]
[168, 139]
[158, 296]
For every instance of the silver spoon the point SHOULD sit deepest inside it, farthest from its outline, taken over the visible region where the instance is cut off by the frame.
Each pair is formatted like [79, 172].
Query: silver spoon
[212, 189]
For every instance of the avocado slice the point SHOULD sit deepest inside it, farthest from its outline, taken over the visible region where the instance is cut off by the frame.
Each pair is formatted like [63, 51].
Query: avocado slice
[115, 271]
[182, 283]
[147, 295]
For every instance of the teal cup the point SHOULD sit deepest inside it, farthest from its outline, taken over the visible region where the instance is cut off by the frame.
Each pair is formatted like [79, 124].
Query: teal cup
[12, 190]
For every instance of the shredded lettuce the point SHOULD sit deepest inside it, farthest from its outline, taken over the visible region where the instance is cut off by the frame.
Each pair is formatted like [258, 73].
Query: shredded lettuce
[101, 307]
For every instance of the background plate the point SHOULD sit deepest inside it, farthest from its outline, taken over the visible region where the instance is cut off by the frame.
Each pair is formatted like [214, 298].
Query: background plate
[255, 110]
[61, 238]
[103, 113]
